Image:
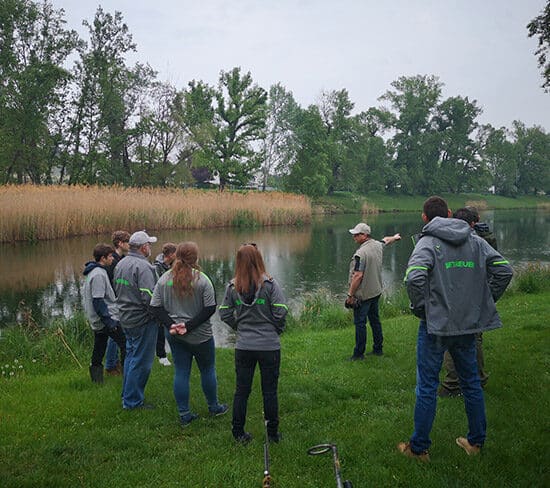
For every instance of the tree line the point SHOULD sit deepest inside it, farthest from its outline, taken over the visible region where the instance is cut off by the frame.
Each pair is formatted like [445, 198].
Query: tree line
[75, 112]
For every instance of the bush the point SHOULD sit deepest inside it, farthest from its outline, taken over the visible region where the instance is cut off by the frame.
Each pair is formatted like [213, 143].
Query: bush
[533, 279]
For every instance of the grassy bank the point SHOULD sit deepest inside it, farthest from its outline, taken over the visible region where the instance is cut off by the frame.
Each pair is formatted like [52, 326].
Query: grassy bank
[343, 202]
[57, 429]
[32, 213]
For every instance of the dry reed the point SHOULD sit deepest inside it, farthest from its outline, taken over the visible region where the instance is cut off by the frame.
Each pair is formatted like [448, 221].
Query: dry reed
[369, 209]
[31, 213]
[478, 204]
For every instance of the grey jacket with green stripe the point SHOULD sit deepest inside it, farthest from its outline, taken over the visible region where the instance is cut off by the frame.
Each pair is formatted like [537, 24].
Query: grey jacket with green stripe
[454, 278]
[135, 279]
[259, 322]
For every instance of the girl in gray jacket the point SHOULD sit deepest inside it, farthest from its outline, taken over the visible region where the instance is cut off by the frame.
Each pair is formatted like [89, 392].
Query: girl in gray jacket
[255, 307]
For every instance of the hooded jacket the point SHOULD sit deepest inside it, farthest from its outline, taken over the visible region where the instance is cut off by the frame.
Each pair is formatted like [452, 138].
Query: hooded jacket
[454, 278]
[258, 317]
[98, 297]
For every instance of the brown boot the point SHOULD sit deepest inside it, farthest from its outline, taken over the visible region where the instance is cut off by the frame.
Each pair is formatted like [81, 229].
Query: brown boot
[405, 449]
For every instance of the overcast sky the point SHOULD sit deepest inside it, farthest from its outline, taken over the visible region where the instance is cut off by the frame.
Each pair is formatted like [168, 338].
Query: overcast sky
[478, 48]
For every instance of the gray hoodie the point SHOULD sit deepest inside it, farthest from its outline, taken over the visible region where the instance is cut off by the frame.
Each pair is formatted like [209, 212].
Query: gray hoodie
[454, 278]
[258, 318]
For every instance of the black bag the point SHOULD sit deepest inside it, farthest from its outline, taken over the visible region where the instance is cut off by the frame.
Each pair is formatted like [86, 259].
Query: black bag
[352, 302]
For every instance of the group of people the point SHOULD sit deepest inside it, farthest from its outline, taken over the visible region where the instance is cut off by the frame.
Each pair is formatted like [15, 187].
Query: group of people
[453, 279]
[129, 300]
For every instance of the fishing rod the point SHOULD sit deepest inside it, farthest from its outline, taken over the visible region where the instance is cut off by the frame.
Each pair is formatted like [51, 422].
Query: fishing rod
[321, 449]
[266, 483]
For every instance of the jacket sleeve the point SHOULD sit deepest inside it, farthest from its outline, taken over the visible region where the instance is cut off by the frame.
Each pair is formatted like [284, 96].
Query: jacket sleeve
[499, 271]
[227, 308]
[416, 278]
[146, 280]
[279, 308]
[102, 311]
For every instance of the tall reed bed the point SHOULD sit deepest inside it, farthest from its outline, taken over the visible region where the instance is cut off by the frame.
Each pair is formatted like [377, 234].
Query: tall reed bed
[31, 213]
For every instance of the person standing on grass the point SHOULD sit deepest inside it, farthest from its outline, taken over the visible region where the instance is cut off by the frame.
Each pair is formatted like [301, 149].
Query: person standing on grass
[135, 279]
[255, 307]
[453, 280]
[450, 386]
[162, 263]
[101, 309]
[365, 288]
[183, 302]
[120, 238]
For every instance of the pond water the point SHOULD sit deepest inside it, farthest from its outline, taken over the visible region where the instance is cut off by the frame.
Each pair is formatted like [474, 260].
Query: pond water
[45, 279]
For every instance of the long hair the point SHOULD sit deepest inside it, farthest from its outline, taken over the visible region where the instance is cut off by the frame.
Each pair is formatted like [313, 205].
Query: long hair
[249, 269]
[187, 255]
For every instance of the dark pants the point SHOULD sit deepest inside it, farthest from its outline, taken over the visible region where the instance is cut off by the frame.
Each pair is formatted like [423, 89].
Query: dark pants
[368, 309]
[100, 344]
[245, 364]
[161, 346]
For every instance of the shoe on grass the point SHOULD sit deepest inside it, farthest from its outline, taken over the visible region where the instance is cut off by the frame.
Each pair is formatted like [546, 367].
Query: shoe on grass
[243, 438]
[443, 392]
[405, 449]
[356, 358]
[471, 450]
[276, 438]
[186, 419]
[165, 361]
[218, 410]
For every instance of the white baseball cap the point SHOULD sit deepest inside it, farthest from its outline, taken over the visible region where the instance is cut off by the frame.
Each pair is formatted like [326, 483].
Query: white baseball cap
[140, 238]
[360, 228]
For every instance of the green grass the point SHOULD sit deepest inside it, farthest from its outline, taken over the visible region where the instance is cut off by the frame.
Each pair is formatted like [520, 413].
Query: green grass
[57, 429]
[345, 202]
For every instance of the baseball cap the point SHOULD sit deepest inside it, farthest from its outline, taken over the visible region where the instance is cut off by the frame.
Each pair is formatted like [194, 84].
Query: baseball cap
[140, 238]
[360, 228]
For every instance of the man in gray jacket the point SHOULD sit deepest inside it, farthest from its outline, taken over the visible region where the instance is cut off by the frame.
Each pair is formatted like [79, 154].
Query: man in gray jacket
[135, 279]
[453, 280]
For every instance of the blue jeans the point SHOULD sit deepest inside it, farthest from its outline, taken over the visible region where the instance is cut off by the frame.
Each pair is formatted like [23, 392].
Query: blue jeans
[205, 356]
[368, 309]
[245, 364]
[140, 353]
[111, 355]
[429, 357]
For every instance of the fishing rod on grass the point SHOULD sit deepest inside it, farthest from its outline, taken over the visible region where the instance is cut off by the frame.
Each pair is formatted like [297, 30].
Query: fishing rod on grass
[267, 480]
[321, 449]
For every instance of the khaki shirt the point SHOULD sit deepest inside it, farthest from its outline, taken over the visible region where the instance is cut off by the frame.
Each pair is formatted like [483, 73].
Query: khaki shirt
[370, 264]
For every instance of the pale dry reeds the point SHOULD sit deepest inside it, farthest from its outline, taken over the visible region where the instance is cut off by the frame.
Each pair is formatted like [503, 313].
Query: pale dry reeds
[31, 213]
[478, 204]
[369, 209]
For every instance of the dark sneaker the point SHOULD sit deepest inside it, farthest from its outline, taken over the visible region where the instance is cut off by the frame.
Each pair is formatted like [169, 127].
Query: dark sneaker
[405, 449]
[276, 438]
[356, 358]
[186, 419]
[471, 450]
[218, 410]
[243, 438]
[146, 406]
[443, 392]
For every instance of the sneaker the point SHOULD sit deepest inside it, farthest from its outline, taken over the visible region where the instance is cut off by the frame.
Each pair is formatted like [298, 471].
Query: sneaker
[220, 409]
[276, 438]
[243, 438]
[143, 406]
[186, 419]
[165, 361]
[356, 358]
[470, 450]
[443, 392]
[405, 449]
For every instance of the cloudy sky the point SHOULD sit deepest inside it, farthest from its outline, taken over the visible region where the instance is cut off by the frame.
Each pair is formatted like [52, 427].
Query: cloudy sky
[478, 48]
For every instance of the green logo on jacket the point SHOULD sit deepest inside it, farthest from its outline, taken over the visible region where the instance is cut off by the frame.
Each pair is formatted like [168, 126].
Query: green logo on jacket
[459, 264]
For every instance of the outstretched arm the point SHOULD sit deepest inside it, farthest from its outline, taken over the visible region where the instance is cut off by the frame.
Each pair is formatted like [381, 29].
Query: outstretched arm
[391, 239]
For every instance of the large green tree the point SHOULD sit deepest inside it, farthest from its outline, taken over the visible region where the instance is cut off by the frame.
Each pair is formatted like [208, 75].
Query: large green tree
[34, 47]
[226, 124]
[540, 27]
[533, 158]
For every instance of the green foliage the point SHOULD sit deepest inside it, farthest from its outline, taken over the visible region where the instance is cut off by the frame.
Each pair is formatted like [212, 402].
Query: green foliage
[319, 310]
[540, 27]
[533, 279]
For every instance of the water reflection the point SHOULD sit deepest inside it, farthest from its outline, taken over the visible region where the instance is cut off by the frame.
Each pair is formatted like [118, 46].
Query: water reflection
[47, 276]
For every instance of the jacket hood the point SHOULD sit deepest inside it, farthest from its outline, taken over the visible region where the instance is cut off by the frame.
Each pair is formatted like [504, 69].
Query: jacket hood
[453, 231]
[91, 265]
